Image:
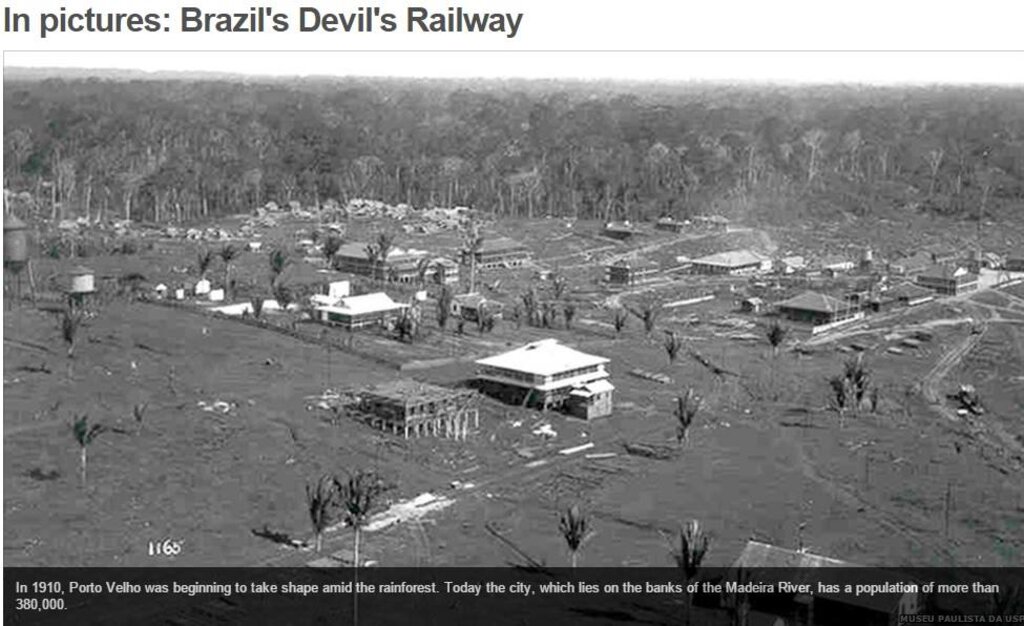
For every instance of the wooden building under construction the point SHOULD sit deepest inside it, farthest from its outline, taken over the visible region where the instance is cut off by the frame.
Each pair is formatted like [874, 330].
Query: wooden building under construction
[411, 407]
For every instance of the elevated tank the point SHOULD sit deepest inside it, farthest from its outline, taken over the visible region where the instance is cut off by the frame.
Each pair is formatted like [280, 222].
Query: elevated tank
[15, 240]
[82, 280]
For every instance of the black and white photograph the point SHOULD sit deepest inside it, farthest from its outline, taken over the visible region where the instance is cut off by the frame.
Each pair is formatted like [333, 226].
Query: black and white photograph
[570, 310]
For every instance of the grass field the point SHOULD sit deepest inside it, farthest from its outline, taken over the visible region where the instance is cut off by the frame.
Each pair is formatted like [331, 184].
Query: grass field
[764, 458]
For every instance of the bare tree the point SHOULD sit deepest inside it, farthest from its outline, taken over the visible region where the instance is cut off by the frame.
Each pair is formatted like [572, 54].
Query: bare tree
[321, 498]
[70, 322]
[648, 314]
[673, 344]
[444, 306]
[813, 140]
[619, 318]
[934, 160]
[228, 254]
[690, 553]
[139, 413]
[569, 313]
[688, 406]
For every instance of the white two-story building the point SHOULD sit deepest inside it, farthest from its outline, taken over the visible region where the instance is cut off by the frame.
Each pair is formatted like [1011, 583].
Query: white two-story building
[547, 374]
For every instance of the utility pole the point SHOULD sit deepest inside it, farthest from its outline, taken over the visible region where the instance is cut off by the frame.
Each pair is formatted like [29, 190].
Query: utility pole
[948, 505]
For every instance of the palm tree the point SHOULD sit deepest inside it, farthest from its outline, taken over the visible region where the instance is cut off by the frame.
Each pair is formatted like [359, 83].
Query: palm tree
[204, 259]
[320, 501]
[228, 254]
[358, 495]
[858, 376]
[85, 435]
[687, 407]
[693, 546]
[573, 526]
[278, 260]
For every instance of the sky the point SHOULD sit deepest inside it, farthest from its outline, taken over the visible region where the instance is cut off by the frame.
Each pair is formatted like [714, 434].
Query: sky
[874, 68]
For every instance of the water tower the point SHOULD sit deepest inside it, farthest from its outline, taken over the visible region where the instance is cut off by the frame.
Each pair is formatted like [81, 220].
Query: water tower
[82, 284]
[16, 257]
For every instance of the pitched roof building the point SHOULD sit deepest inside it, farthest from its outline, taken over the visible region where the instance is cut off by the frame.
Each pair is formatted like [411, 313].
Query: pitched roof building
[733, 262]
[948, 280]
[544, 373]
[769, 564]
[816, 308]
[358, 311]
[501, 252]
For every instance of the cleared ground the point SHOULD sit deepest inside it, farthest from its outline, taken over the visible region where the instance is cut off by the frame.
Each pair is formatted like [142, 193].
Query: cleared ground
[764, 458]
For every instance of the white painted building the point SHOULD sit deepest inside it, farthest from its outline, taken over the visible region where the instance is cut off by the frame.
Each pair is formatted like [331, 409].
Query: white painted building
[358, 311]
[734, 263]
[545, 373]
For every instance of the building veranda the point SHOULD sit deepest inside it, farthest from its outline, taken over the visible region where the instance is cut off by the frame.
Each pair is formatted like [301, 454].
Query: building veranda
[548, 375]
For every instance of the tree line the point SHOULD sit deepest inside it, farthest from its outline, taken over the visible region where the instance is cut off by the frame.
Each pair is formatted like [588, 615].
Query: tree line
[183, 150]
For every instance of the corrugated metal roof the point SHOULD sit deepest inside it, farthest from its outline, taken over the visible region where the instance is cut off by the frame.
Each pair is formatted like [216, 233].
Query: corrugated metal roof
[543, 358]
[733, 258]
[368, 303]
[814, 301]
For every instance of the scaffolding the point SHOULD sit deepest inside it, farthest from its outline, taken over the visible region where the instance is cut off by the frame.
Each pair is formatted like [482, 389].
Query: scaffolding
[420, 409]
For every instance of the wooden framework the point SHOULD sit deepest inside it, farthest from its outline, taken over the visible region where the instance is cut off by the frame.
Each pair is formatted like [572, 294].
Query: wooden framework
[411, 407]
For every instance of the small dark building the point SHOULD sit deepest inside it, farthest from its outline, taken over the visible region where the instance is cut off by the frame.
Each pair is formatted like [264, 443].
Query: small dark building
[628, 273]
[817, 309]
[670, 224]
[911, 265]
[752, 305]
[909, 294]
[769, 564]
[619, 230]
[1014, 261]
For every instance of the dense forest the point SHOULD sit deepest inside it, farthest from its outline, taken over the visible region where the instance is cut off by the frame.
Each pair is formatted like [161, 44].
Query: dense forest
[179, 149]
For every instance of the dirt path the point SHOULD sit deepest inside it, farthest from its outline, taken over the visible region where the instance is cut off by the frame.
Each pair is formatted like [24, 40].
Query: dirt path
[853, 498]
[989, 432]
